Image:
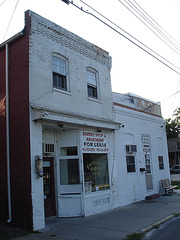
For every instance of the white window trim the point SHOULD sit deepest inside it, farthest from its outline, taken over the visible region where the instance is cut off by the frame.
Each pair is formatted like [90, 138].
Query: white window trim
[57, 55]
[98, 99]
[131, 155]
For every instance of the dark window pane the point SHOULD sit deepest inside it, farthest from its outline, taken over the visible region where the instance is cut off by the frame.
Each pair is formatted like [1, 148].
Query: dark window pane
[131, 168]
[54, 80]
[69, 151]
[130, 164]
[161, 164]
[59, 81]
[92, 91]
[69, 171]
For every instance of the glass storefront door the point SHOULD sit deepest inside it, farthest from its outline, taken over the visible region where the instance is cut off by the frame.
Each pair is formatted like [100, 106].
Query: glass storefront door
[48, 184]
[70, 182]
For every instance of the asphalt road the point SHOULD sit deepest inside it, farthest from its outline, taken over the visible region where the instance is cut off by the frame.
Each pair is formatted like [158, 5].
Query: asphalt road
[169, 230]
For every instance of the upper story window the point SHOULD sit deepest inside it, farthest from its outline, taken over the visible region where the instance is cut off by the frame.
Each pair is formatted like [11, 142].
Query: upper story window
[59, 68]
[92, 86]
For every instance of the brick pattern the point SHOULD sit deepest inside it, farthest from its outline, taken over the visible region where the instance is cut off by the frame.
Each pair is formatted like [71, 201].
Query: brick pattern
[19, 134]
[70, 40]
[3, 169]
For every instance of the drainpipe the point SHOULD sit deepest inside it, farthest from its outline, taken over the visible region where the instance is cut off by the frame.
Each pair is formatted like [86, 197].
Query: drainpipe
[7, 139]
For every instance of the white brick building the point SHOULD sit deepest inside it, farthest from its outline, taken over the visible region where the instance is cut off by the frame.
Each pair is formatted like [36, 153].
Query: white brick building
[80, 129]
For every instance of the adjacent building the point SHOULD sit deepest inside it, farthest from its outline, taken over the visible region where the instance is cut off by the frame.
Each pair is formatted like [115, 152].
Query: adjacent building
[69, 146]
[174, 151]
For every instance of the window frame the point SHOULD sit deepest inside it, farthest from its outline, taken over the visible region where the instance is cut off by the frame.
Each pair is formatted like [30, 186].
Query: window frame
[65, 78]
[90, 175]
[148, 167]
[161, 164]
[96, 95]
[127, 156]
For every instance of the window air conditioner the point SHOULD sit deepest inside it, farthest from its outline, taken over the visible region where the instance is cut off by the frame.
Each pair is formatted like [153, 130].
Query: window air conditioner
[48, 148]
[131, 148]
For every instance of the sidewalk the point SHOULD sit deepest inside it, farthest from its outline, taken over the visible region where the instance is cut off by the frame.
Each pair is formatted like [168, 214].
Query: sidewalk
[111, 225]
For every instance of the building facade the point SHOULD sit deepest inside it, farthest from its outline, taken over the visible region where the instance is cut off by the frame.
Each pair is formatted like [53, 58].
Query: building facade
[69, 146]
[174, 151]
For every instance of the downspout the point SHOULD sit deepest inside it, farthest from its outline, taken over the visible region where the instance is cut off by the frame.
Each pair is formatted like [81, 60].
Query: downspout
[7, 138]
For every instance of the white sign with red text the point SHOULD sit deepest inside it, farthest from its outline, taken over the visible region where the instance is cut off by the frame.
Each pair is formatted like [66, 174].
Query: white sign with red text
[94, 142]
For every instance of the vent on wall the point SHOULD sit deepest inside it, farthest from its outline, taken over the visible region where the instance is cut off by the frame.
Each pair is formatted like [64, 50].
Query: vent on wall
[48, 148]
[131, 148]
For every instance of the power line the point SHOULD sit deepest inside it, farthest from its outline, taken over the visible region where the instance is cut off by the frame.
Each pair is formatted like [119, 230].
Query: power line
[174, 98]
[129, 34]
[150, 23]
[11, 19]
[154, 104]
[2, 3]
[157, 23]
[80, 8]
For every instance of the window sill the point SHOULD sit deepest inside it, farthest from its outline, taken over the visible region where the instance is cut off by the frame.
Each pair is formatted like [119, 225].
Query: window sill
[61, 91]
[94, 100]
[97, 193]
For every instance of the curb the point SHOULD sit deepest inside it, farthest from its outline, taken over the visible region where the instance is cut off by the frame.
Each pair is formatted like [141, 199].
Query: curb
[146, 229]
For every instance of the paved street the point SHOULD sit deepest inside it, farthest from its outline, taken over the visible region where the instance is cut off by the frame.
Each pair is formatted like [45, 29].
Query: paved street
[168, 230]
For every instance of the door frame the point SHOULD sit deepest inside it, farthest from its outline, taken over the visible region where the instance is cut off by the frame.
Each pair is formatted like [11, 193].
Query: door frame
[53, 200]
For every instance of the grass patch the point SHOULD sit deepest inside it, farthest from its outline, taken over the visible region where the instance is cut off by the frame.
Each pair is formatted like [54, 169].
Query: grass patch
[176, 183]
[156, 226]
[134, 236]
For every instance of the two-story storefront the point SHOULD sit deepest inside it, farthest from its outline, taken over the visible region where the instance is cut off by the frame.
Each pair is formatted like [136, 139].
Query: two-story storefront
[69, 146]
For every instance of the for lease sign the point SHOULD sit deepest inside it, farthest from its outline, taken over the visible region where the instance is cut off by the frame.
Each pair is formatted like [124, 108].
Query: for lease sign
[94, 142]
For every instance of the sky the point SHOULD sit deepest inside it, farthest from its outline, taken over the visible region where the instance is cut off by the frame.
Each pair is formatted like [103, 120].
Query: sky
[133, 69]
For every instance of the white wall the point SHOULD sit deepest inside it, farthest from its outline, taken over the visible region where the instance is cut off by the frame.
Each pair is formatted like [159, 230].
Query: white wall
[37, 182]
[47, 38]
[132, 186]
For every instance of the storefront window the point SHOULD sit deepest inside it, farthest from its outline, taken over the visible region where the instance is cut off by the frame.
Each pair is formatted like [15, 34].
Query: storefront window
[96, 172]
[69, 171]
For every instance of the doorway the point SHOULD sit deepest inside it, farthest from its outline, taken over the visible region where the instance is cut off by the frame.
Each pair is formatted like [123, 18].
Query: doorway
[148, 174]
[48, 184]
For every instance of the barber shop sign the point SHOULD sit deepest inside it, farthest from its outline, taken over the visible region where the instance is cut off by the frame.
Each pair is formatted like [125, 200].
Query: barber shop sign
[94, 142]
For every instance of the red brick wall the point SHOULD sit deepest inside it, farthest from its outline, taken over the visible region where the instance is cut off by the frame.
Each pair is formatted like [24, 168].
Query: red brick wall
[19, 134]
[3, 170]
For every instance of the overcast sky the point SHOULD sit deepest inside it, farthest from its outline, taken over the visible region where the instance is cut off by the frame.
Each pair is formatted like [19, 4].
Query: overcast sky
[133, 70]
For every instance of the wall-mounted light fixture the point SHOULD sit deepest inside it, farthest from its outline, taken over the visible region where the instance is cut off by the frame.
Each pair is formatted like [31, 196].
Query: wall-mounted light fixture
[39, 166]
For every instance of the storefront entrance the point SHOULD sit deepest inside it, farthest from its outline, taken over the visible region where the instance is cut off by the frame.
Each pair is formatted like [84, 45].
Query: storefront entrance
[49, 191]
[69, 175]
[148, 174]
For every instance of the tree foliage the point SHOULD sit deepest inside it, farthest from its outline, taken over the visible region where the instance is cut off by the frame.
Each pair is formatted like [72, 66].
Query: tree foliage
[173, 124]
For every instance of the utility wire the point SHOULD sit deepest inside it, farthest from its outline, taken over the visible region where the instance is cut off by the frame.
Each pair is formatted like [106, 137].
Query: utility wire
[80, 8]
[156, 28]
[146, 24]
[156, 23]
[150, 21]
[154, 104]
[2, 3]
[174, 98]
[11, 19]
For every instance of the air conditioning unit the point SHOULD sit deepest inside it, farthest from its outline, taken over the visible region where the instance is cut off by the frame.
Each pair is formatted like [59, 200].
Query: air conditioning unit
[48, 148]
[131, 148]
